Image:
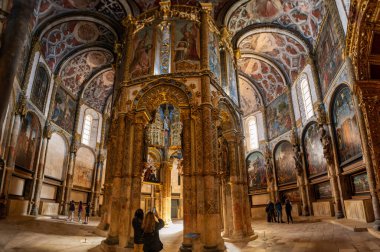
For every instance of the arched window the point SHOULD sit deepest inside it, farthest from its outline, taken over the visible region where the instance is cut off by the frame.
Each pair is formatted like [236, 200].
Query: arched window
[252, 131]
[306, 98]
[86, 133]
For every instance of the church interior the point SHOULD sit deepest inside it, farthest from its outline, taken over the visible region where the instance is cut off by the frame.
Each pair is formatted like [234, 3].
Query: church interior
[201, 111]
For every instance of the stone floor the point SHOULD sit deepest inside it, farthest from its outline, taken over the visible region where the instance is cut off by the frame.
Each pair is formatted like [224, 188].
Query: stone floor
[43, 235]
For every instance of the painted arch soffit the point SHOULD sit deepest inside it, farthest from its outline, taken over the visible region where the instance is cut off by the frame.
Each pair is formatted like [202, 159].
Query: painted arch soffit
[61, 39]
[250, 98]
[303, 16]
[82, 65]
[286, 50]
[98, 89]
[271, 82]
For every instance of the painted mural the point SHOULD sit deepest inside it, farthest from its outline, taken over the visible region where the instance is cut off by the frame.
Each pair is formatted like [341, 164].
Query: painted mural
[257, 178]
[304, 16]
[214, 56]
[329, 54]
[142, 59]
[98, 90]
[316, 162]
[23, 59]
[278, 117]
[360, 183]
[293, 195]
[80, 67]
[186, 46]
[61, 39]
[151, 172]
[323, 190]
[55, 157]
[286, 51]
[285, 164]
[84, 168]
[267, 77]
[346, 127]
[28, 142]
[40, 88]
[230, 86]
[249, 98]
[64, 110]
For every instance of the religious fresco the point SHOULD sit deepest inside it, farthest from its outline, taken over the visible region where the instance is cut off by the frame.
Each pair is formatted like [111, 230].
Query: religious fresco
[278, 117]
[186, 46]
[98, 90]
[28, 142]
[84, 168]
[111, 8]
[269, 79]
[360, 183]
[249, 98]
[285, 50]
[55, 157]
[61, 39]
[80, 67]
[304, 16]
[214, 56]
[230, 86]
[64, 110]
[315, 160]
[323, 190]
[293, 195]
[285, 164]
[40, 88]
[329, 53]
[257, 177]
[151, 172]
[346, 127]
[142, 59]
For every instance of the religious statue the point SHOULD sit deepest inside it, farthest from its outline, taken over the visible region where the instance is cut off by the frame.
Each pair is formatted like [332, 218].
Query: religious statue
[269, 165]
[326, 143]
[298, 160]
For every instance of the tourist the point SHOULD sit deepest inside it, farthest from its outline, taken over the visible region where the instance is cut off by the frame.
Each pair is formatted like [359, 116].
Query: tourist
[87, 216]
[72, 210]
[138, 232]
[278, 208]
[288, 210]
[80, 210]
[151, 238]
[270, 212]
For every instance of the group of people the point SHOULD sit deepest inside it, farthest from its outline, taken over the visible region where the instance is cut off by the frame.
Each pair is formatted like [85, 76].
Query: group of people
[146, 235]
[80, 211]
[274, 211]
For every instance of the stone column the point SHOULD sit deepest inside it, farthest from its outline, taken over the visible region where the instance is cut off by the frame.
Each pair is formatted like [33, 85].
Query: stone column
[99, 169]
[300, 178]
[167, 193]
[269, 172]
[69, 178]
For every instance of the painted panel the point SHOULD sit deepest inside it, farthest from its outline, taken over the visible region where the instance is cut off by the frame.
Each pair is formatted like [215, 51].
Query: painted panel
[323, 190]
[186, 46]
[285, 164]
[360, 183]
[257, 178]
[142, 59]
[151, 171]
[55, 157]
[329, 55]
[40, 88]
[278, 117]
[346, 127]
[293, 195]
[64, 110]
[249, 98]
[98, 90]
[28, 142]
[214, 56]
[16, 187]
[316, 162]
[48, 192]
[230, 86]
[84, 168]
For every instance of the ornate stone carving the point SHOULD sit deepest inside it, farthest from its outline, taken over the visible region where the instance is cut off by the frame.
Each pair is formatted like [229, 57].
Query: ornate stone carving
[326, 143]
[298, 159]
[21, 105]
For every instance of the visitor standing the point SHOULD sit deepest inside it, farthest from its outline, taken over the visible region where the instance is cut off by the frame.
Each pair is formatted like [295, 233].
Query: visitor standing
[270, 212]
[278, 208]
[138, 231]
[151, 225]
[288, 210]
[87, 216]
[80, 210]
[72, 210]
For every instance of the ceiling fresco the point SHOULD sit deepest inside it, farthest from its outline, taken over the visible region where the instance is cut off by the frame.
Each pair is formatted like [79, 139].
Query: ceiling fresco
[64, 38]
[271, 83]
[285, 50]
[80, 67]
[111, 8]
[303, 16]
[98, 90]
[249, 98]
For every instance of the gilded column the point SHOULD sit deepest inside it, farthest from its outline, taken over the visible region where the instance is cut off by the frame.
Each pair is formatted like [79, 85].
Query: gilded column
[167, 194]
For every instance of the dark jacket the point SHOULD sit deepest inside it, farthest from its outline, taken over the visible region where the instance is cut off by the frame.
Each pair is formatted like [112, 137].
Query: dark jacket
[270, 208]
[288, 207]
[152, 242]
[72, 206]
[88, 210]
[278, 206]
[138, 237]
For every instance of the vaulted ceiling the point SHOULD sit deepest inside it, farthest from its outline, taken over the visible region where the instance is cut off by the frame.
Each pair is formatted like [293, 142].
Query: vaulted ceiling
[275, 38]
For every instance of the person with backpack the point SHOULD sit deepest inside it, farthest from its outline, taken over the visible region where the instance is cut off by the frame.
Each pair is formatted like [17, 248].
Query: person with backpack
[138, 231]
[151, 238]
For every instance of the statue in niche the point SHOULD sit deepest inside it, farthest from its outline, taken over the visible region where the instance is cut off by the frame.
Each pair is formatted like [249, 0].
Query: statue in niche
[298, 160]
[326, 143]
[269, 165]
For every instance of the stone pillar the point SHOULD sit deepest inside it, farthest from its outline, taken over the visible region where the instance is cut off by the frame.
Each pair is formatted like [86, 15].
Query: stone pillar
[300, 178]
[99, 169]
[269, 172]
[14, 37]
[69, 178]
[41, 170]
[167, 193]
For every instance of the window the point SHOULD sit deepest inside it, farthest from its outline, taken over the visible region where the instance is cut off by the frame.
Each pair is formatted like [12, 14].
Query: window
[306, 98]
[86, 133]
[253, 137]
